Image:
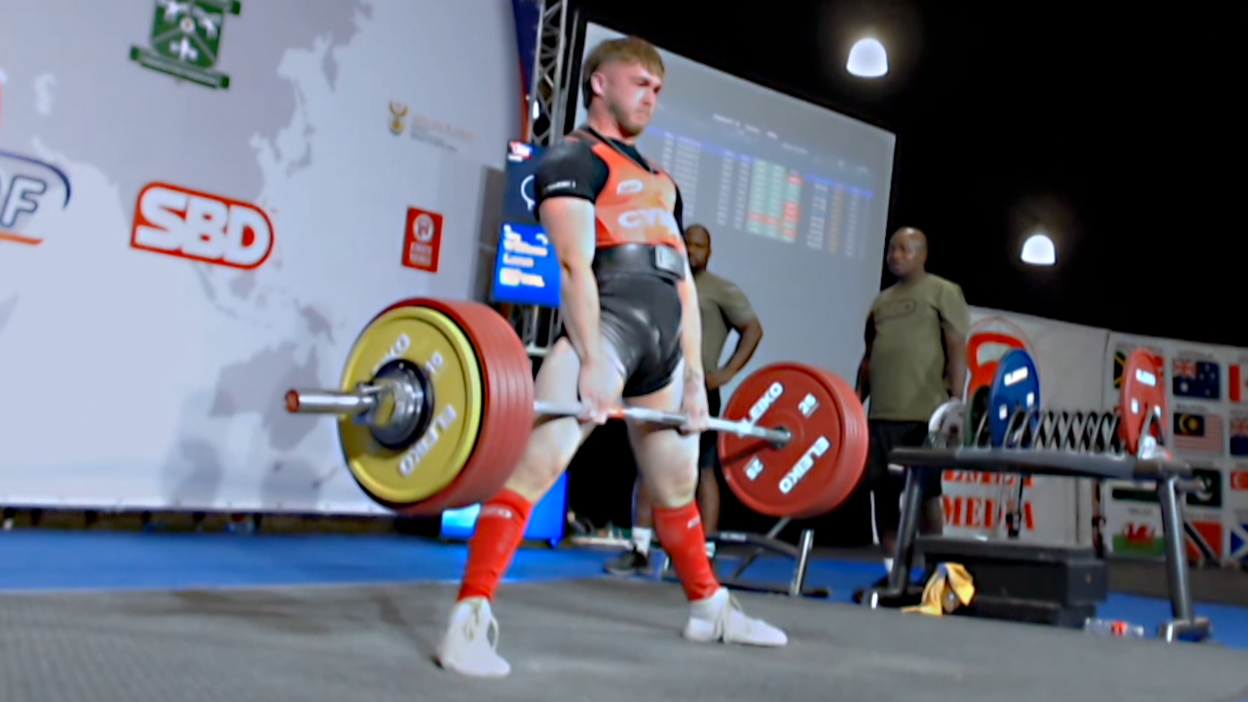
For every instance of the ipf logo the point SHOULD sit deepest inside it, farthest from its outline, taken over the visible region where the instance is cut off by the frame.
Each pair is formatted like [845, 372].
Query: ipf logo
[28, 187]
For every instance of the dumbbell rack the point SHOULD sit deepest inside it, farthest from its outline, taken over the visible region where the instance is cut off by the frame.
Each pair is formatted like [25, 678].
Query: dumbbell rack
[1033, 446]
[1089, 432]
[762, 544]
[1055, 430]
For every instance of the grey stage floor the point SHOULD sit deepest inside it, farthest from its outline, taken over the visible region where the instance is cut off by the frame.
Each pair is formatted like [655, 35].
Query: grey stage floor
[586, 641]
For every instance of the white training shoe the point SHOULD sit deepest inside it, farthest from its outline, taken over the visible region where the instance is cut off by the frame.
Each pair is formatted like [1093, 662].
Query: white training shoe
[468, 647]
[720, 618]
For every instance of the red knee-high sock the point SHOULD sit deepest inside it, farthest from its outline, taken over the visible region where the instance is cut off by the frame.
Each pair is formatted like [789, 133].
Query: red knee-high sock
[500, 529]
[680, 532]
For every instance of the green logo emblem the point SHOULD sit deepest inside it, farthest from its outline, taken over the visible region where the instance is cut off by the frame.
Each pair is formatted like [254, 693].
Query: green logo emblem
[186, 39]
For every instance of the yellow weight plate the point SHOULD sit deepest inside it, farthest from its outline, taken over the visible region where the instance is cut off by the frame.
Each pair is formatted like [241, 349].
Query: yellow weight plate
[431, 341]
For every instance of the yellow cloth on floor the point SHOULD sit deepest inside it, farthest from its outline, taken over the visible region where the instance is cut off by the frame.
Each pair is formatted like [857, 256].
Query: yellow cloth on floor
[949, 587]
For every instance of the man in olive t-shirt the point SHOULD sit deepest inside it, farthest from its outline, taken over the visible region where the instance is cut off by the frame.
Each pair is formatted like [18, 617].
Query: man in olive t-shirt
[724, 309]
[915, 361]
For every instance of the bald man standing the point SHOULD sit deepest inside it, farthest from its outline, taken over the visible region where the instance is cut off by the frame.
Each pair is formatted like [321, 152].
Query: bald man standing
[915, 361]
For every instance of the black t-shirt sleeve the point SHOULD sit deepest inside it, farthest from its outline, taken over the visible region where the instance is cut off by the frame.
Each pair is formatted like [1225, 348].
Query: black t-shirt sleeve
[570, 169]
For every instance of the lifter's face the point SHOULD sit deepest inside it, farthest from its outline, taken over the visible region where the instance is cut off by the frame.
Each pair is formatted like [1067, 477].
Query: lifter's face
[631, 93]
[698, 244]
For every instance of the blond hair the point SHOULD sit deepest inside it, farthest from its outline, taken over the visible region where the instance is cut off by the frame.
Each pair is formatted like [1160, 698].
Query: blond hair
[631, 50]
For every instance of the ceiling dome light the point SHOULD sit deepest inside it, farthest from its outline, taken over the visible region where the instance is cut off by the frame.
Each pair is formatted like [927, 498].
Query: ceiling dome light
[1038, 250]
[867, 59]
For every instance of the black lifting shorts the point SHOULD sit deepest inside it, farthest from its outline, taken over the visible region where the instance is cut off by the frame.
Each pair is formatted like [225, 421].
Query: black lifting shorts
[641, 312]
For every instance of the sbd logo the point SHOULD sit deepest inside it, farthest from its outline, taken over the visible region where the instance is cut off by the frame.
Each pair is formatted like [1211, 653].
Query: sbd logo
[201, 227]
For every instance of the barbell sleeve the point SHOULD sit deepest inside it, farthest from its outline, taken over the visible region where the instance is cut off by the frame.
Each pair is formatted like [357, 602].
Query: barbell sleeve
[330, 401]
[642, 414]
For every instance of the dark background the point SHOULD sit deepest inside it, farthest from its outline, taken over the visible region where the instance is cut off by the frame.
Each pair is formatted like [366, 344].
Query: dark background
[1109, 127]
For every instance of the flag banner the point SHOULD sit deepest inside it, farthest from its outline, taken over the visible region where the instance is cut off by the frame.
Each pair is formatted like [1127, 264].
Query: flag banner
[1196, 377]
[1198, 431]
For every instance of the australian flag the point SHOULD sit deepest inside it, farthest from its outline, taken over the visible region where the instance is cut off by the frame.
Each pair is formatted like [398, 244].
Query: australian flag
[1239, 436]
[1196, 379]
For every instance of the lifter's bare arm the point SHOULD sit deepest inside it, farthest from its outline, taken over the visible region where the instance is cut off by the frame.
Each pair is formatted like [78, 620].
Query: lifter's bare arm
[691, 345]
[570, 223]
[691, 334]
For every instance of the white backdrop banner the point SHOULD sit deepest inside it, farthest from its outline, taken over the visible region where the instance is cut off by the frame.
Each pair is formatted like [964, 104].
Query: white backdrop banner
[201, 205]
[1070, 380]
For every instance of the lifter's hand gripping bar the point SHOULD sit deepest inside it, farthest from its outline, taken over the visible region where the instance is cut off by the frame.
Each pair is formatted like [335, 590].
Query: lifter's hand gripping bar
[360, 401]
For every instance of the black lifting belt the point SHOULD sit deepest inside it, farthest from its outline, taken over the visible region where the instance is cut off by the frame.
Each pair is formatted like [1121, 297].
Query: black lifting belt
[656, 259]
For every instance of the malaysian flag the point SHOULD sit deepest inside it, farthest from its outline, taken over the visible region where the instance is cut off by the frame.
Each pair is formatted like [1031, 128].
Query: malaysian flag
[1199, 433]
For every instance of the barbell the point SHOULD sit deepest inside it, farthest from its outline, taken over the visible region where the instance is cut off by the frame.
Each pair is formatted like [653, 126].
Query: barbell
[364, 398]
[435, 408]
[436, 405]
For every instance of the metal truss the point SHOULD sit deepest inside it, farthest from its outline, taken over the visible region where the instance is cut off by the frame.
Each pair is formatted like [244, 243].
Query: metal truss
[539, 326]
[548, 69]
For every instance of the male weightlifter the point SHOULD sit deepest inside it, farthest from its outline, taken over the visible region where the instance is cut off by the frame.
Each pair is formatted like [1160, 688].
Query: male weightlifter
[915, 360]
[632, 334]
[723, 308]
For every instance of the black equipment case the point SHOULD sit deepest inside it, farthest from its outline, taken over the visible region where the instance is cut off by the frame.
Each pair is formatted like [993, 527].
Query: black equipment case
[1058, 585]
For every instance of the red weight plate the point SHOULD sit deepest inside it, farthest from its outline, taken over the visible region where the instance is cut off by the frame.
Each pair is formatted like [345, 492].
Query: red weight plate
[1142, 393]
[855, 441]
[507, 412]
[808, 475]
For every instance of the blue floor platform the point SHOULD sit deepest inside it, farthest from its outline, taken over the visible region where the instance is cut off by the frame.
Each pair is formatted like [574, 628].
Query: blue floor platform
[49, 560]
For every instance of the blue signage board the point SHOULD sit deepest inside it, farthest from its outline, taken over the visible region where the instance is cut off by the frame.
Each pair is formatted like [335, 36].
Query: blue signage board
[521, 195]
[526, 269]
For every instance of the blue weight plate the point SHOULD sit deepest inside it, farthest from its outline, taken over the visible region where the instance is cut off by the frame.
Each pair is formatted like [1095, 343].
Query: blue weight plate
[1016, 386]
